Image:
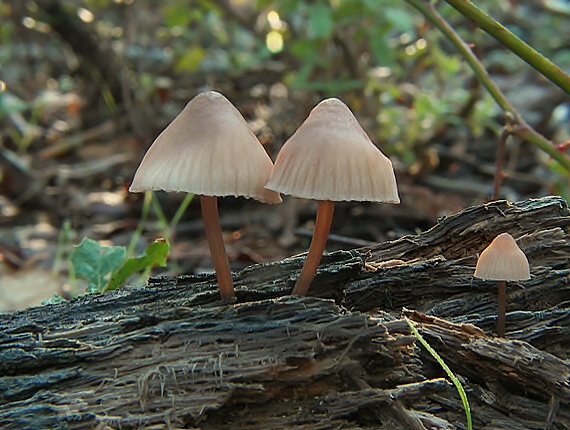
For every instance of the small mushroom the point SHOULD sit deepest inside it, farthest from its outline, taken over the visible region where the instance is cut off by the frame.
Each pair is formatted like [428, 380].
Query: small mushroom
[502, 261]
[208, 150]
[330, 158]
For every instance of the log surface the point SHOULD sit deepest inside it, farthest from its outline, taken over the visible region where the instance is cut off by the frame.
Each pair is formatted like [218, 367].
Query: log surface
[172, 355]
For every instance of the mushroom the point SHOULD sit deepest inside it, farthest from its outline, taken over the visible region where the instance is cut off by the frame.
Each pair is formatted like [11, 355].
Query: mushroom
[208, 150]
[502, 261]
[330, 158]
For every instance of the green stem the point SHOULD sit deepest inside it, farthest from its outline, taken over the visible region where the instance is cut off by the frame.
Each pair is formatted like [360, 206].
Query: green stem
[447, 370]
[428, 10]
[142, 220]
[534, 58]
[180, 211]
[518, 126]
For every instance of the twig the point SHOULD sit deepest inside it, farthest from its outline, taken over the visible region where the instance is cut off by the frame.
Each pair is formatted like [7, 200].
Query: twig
[517, 126]
[70, 142]
[499, 175]
[535, 59]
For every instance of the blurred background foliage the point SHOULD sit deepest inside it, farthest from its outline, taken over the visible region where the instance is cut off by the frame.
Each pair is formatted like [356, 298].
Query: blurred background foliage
[396, 72]
[88, 84]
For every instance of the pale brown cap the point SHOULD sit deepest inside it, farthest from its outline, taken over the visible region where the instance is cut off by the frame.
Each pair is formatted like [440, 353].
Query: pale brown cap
[208, 149]
[503, 260]
[330, 157]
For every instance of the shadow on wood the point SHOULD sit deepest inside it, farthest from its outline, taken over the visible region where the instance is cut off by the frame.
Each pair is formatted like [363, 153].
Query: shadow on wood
[172, 355]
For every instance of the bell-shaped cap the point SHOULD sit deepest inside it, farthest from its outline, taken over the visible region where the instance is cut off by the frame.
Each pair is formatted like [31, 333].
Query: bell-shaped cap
[330, 157]
[208, 149]
[503, 260]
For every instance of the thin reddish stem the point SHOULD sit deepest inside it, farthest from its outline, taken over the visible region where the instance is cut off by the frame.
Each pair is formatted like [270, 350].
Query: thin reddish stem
[213, 230]
[502, 309]
[320, 236]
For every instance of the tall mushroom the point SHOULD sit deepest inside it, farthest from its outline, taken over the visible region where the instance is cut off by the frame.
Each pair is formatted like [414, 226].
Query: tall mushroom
[331, 158]
[502, 261]
[208, 150]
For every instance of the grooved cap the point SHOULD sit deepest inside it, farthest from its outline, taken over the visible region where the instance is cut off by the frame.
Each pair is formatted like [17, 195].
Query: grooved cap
[503, 260]
[330, 157]
[208, 149]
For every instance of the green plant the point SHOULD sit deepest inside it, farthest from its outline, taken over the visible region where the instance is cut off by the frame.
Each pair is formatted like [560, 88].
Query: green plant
[64, 244]
[515, 124]
[165, 228]
[534, 58]
[447, 370]
[107, 268]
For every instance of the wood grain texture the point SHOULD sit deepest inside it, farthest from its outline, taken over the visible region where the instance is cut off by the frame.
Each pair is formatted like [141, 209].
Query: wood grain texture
[172, 355]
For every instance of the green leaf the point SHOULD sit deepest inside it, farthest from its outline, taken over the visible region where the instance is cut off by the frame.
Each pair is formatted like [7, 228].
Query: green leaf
[425, 105]
[320, 21]
[191, 60]
[10, 104]
[334, 87]
[382, 52]
[302, 76]
[371, 5]
[155, 255]
[305, 50]
[93, 262]
[177, 14]
[400, 19]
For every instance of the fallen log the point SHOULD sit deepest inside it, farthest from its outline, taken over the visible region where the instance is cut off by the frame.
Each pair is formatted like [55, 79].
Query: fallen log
[172, 355]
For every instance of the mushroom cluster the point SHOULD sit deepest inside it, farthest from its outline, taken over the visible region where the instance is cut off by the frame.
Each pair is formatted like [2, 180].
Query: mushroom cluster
[209, 150]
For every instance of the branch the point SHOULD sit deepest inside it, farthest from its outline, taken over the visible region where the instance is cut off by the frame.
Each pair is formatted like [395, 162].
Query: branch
[517, 126]
[534, 58]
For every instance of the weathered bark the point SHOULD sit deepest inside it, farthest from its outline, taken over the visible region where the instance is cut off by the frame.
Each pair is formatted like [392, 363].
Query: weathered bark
[172, 355]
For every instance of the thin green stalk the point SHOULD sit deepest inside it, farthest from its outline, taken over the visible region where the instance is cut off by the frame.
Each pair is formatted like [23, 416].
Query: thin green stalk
[447, 370]
[517, 127]
[534, 58]
[160, 214]
[150, 201]
[428, 10]
[144, 215]
[169, 227]
[64, 240]
[180, 211]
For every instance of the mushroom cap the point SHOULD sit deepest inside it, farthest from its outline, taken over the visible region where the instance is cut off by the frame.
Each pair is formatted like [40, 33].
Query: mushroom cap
[208, 149]
[503, 260]
[330, 157]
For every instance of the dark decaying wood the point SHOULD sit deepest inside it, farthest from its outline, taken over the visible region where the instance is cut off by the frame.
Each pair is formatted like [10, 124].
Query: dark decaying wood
[172, 355]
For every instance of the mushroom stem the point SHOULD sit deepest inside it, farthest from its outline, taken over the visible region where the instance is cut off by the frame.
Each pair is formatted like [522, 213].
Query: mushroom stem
[320, 236]
[211, 220]
[502, 309]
